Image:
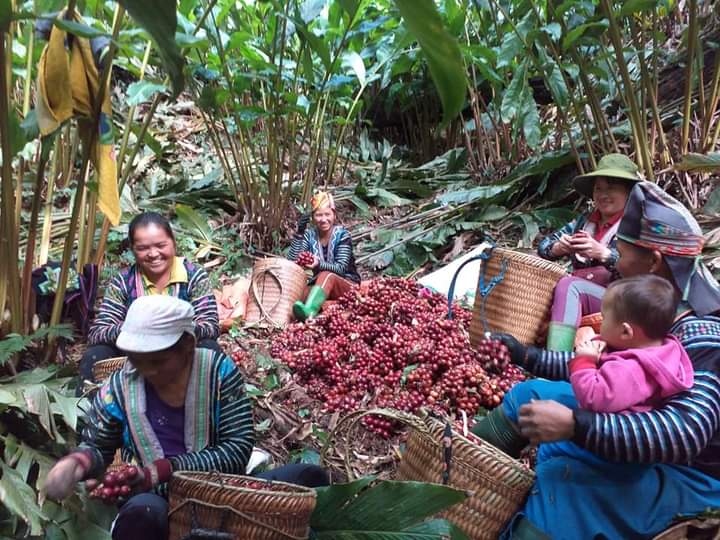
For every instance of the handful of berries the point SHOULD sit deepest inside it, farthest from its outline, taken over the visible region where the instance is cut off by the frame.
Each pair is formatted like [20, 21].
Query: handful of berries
[305, 259]
[116, 484]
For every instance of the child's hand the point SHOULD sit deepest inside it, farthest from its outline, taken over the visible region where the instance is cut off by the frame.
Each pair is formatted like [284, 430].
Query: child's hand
[591, 348]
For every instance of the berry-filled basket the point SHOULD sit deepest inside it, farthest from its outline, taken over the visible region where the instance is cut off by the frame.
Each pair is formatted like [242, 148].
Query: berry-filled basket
[517, 296]
[498, 483]
[232, 506]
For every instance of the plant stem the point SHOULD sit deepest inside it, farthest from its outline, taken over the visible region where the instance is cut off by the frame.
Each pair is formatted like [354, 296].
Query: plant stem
[687, 104]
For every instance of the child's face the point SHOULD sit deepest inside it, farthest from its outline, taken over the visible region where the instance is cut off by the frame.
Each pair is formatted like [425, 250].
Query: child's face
[611, 330]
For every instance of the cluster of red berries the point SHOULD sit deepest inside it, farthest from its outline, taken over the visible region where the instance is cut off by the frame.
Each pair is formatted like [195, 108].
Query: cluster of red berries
[116, 484]
[305, 259]
[393, 346]
[240, 357]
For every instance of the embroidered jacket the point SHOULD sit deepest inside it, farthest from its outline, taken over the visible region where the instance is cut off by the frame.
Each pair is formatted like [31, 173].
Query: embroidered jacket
[339, 260]
[685, 430]
[576, 225]
[218, 434]
[129, 284]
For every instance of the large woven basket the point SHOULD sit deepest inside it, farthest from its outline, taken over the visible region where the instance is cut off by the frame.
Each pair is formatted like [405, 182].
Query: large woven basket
[497, 482]
[275, 286]
[520, 302]
[243, 506]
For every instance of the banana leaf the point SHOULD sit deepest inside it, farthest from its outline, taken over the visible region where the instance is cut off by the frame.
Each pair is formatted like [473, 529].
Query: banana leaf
[370, 509]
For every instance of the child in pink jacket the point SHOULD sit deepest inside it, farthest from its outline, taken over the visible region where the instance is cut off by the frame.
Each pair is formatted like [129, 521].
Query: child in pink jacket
[634, 364]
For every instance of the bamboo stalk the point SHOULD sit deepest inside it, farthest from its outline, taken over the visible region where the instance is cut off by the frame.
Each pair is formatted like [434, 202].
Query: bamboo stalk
[687, 104]
[47, 215]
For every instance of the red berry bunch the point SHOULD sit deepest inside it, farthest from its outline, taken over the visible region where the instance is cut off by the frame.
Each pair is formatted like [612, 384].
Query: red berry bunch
[240, 357]
[393, 346]
[305, 259]
[116, 484]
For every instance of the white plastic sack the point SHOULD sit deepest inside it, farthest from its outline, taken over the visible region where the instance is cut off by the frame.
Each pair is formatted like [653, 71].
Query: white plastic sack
[466, 283]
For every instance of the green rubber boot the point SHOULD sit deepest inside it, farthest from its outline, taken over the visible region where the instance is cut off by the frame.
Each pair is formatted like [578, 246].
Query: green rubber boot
[561, 337]
[497, 429]
[311, 306]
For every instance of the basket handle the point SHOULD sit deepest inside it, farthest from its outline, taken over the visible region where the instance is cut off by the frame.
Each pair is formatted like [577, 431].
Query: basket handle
[484, 256]
[348, 421]
[265, 314]
[238, 513]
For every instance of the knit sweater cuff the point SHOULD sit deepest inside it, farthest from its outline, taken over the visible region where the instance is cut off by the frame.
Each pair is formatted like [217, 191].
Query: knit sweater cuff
[582, 362]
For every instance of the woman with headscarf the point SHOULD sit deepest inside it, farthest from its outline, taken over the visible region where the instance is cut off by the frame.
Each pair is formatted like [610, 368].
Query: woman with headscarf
[589, 242]
[333, 265]
[158, 270]
[172, 407]
[642, 469]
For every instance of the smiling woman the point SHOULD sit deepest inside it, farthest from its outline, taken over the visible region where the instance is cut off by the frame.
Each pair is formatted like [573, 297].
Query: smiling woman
[157, 270]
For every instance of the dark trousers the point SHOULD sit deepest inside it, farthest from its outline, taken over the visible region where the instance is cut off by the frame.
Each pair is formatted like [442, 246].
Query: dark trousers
[103, 351]
[146, 515]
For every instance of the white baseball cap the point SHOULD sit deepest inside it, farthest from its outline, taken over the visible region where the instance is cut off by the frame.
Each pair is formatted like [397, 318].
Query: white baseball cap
[155, 323]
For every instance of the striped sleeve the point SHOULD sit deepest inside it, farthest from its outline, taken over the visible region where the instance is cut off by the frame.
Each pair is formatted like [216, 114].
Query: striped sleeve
[200, 293]
[551, 365]
[111, 314]
[342, 255]
[299, 244]
[682, 431]
[235, 432]
[102, 433]
[546, 244]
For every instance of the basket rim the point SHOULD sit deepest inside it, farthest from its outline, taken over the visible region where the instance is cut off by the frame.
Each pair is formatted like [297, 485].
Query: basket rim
[190, 476]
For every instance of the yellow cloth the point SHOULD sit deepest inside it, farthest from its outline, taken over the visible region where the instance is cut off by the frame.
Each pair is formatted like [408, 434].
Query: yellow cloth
[323, 199]
[178, 274]
[68, 84]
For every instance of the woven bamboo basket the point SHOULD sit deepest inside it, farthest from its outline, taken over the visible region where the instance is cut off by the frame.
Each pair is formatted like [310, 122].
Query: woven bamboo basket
[275, 286]
[497, 482]
[104, 368]
[521, 301]
[242, 506]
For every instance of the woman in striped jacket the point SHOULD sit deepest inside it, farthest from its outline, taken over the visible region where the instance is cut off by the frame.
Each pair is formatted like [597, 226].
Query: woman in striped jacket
[642, 469]
[333, 263]
[172, 407]
[157, 270]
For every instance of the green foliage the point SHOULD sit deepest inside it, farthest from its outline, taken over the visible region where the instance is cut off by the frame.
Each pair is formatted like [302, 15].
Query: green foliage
[12, 344]
[377, 510]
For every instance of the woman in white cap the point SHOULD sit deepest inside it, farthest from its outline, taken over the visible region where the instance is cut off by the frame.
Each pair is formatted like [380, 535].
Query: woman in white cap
[171, 407]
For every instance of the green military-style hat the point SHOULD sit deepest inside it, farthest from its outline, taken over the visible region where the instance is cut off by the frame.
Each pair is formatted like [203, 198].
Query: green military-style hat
[615, 166]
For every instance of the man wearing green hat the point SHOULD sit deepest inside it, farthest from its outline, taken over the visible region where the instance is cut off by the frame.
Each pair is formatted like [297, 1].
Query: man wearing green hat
[589, 242]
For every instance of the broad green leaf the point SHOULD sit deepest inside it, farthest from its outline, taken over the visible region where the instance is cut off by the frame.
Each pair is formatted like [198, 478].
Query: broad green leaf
[78, 29]
[576, 33]
[512, 99]
[630, 7]
[7, 398]
[17, 135]
[473, 194]
[511, 47]
[38, 402]
[530, 229]
[355, 62]
[387, 506]
[66, 407]
[350, 7]
[310, 9]
[531, 119]
[194, 222]
[386, 198]
[20, 499]
[317, 45]
[441, 51]
[553, 30]
[159, 18]
[712, 206]
[694, 162]
[141, 92]
[331, 499]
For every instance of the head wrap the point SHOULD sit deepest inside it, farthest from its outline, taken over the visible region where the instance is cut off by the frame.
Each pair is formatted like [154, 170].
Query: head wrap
[655, 220]
[614, 166]
[155, 323]
[322, 199]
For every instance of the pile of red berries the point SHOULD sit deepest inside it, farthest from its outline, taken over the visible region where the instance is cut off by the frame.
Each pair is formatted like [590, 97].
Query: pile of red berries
[305, 259]
[393, 346]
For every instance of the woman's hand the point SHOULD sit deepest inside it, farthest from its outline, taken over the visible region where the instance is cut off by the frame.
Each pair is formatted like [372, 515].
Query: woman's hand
[562, 247]
[315, 263]
[584, 244]
[62, 478]
[546, 421]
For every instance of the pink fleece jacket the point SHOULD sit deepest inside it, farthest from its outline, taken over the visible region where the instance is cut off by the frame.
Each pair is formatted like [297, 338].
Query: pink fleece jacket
[633, 380]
